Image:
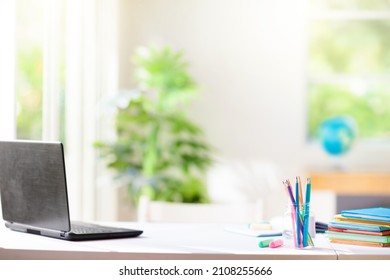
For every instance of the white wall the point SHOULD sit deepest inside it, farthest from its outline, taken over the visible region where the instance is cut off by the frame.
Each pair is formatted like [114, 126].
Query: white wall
[249, 58]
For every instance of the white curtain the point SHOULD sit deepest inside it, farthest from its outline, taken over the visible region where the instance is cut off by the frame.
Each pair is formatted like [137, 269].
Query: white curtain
[90, 49]
[91, 76]
[7, 70]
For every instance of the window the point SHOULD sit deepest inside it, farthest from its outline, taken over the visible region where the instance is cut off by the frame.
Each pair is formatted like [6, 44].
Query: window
[58, 59]
[40, 72]
[349, 65]
[7, 69]
[29, 68]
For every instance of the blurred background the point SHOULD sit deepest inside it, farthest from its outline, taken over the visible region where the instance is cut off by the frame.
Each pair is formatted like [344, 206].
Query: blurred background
[285, 88]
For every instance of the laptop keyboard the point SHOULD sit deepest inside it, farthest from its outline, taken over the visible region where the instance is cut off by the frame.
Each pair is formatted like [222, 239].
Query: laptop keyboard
[85, 228]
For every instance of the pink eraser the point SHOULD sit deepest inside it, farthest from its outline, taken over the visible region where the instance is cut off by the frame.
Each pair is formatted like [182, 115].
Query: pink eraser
[276, 243]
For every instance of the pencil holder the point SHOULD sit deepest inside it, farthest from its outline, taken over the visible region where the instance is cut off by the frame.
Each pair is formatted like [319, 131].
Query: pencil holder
[299, 225]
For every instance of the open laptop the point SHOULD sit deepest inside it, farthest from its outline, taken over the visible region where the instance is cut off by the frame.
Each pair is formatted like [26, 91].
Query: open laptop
[34, 195]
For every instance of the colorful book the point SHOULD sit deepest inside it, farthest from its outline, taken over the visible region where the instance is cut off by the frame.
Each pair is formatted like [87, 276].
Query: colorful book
[357, 237]
[358, 226]
[384, 233]
[373, 213]
[361, 221]
[359, 243]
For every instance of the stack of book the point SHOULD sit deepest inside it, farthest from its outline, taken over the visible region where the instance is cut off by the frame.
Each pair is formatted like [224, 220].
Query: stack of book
[365, 227]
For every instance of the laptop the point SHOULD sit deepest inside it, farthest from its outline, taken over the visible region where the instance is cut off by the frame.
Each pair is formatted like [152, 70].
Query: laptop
[34, 195]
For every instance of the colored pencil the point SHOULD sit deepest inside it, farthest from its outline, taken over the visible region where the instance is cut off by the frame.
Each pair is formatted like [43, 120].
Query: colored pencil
[297, 218]
[300, 191]
[297, 212]
[301, 219]
[292, 210]
[306, 212]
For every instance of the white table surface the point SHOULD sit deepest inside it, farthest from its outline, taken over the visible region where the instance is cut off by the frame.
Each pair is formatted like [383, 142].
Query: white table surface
[158, 241]
[354, 252]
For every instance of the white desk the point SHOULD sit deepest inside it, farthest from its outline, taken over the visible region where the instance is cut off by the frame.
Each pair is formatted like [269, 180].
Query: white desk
[159, 241]
[174, 241]
[353, 252]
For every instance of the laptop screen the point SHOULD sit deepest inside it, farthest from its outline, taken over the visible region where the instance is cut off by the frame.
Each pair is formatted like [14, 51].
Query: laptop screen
[33, 184]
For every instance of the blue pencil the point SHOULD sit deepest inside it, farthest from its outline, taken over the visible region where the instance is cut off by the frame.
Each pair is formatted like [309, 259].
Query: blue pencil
[297, 211]
[290, 192]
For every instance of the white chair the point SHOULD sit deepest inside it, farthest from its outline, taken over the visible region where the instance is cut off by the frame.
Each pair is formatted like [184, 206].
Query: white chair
[158, 211]
[246, 181]
[240, 191]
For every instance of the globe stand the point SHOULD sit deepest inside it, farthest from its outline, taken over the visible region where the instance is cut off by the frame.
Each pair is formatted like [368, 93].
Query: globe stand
[337, 163]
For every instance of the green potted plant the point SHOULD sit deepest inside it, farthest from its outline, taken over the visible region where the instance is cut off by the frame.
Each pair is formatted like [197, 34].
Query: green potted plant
[159, 152]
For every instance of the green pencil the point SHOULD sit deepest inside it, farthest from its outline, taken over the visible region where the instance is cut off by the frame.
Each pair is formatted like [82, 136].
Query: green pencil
[306, 212]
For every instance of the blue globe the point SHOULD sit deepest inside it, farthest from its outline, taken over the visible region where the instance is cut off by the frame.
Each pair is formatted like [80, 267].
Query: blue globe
[337, 134]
